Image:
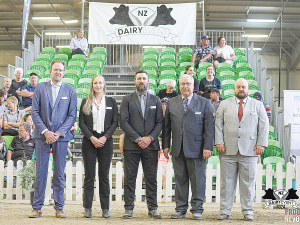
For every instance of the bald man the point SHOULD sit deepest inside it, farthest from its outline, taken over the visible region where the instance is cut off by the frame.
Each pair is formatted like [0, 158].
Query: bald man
[241, 135]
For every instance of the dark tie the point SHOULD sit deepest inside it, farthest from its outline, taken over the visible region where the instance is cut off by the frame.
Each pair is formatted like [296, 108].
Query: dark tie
[185, 104]
[240, 113]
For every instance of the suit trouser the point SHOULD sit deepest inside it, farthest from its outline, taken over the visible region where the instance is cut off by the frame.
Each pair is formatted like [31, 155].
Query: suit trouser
[189, 170]
[232, 167]
[59, 149]
[131, 163]
[104, 155]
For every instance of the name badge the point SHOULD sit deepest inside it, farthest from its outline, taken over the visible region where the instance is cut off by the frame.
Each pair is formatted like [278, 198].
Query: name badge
[108, 107]
[153, 107]
[197, 113]
[64, 97]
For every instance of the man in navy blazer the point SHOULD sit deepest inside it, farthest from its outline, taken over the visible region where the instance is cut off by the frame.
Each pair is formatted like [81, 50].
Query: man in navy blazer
[54, 108]
[189, 119]
[141, 119]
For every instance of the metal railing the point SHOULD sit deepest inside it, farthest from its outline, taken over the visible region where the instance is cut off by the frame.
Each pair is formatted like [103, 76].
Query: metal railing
[2, 78]
[10, 71]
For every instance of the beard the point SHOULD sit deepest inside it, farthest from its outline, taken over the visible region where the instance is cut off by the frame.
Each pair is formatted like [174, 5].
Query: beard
[242, 95]
[141, 87]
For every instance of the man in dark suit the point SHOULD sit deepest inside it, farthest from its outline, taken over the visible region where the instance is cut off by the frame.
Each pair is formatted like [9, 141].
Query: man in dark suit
[189, 118]
[141, 120]
[54, 108]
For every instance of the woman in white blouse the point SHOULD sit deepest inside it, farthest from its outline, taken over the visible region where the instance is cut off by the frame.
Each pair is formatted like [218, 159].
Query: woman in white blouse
[223, 53]
[79, 43]
[98, 120]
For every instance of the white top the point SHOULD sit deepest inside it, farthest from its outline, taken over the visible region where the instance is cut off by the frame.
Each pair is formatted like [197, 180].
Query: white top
[82, 43]
[99, 115]
[224, 52]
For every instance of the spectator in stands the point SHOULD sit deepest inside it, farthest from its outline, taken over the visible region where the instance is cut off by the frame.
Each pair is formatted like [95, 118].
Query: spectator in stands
[8, 89]
[215, 100]
[204, 52]
[189, 70]
[208, 83]
[2, 150]
[169, 91]
[12, 118]
[79, 43]
[258, 96]
[18, 83]
[164, 104]
[98, 120]
[223, 53]
[22, 146]
[3, 94]
[27, 92]
[27, 118]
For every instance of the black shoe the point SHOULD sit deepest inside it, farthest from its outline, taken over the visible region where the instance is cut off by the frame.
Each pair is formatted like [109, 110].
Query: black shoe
[154, 214]
[128, 214]
[87, 213]
[178, 215]
[105, 213]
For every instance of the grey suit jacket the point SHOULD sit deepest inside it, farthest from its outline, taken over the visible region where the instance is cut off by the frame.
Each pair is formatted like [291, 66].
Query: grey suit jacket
[59, 116]
[193, 129]
[134, 125]
[245, 135]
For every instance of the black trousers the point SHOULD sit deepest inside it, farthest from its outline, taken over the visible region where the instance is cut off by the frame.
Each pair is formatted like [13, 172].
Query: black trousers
[131, 164]
[104, 155]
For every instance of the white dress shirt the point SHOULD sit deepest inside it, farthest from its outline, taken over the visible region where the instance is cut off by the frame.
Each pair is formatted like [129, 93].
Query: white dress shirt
[99, 115]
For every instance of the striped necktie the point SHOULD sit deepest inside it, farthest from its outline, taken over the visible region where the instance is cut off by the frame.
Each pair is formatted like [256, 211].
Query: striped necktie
[185, 104]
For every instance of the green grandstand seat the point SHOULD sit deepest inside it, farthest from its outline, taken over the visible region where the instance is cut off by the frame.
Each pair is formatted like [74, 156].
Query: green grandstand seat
[253, 87]
[200, 77]
[79, 100]
[252, 82]
[243, 68]
[180, 73]
[43, 80]
[167, 58]
[150, 57]
[185, 51]
[65, 51]
[273, 142]
[273, 159]
[151, 51]
[214, 160]
[154, 62]
[243, 73]
[272, 135]
[247, 77]
[151, 73]
[149, 64]
[204, 65]
[82, 92]
[89, 74]
[98, 66]
[7, 140]
[227, 77]
[84, 83]
[28, 80]
[230, 73]
[153, 87]
[238, 50]
[49, 51]
[271, 128]
[167, 66]
[153, 81]
[97, 58]
[240, 57]
[238, 65]
[73, 74]
[224, 82]
[99, 49]
[272, 150]
[214, 152]
[78, 58]
[62, 57]
[251, 93]
[47, 74]
[75, 63]
[68, 81]
[182, 66]
[168, 51]
[184, 58]
[44, 58]
[203, 72]
[28, 72]
[224, 65]
[228, 93]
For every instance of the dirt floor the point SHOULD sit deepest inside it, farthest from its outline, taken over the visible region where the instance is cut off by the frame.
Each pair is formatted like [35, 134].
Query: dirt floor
[16, 212]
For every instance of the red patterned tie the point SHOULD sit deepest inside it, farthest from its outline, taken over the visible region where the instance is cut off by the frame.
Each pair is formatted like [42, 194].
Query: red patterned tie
[240, 113]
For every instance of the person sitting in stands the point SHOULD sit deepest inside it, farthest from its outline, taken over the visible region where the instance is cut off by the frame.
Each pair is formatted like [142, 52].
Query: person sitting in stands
[27, 92]
[78, 44]
[18, 83]
[3, 93]
[12, 118]
[215, 100]
[169, 91]
[258, 96]
[27, 118]
[22, 146]
[209, 82]
[189, 70]
[203, 52]
[223, 53]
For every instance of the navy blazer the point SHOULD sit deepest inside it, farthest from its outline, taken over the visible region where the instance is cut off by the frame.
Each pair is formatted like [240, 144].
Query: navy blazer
[60, 116]
[134, 125]
[110, 120]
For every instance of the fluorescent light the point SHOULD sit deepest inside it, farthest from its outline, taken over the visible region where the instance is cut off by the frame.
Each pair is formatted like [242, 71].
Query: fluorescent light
[45, 18]
[260, 21]
[255, 49]
[62, 46]
[57, 33]
[255, 35]
[71, 21]
[154, 46]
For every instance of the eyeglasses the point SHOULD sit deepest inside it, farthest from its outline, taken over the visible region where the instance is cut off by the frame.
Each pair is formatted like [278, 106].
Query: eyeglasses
[185, 84]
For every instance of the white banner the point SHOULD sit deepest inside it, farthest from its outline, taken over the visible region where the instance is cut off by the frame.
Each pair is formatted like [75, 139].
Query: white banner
[169, 24]
[292, 116]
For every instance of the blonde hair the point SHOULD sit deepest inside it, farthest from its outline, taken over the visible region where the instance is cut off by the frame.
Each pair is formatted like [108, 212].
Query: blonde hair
[89, 101]
[79, 31]
[12, 99]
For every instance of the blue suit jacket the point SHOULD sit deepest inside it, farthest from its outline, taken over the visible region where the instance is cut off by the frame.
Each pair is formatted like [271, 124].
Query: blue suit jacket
[59, 116]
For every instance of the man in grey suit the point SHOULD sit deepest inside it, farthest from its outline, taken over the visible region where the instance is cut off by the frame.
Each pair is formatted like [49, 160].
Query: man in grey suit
[241, 134]
[189, 118]
[54, 109]
[141, 119]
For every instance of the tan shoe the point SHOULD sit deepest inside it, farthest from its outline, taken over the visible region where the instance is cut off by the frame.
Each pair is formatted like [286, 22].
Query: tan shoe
[35, 213]
[60, 214]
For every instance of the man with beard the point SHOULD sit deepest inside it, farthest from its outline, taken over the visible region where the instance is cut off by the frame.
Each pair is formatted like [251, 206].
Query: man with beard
[241, 134]
[141, 119]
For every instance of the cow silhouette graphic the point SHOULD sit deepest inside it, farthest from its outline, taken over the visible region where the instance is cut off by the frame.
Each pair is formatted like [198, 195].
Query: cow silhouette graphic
[269, 194]
[163, 16]
[121, 16]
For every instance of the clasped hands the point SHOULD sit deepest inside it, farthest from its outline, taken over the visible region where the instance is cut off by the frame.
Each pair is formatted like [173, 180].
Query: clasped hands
[144, 142]
[51, 137]
[258, 148]
[98, 142]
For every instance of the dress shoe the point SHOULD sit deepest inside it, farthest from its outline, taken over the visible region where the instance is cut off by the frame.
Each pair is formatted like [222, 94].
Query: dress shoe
[197, 216]
[248, 217]
[128, 214]
[35, 213]
[178, 215]
[223, 217]
[105, 213]
[154, 214]
[87, 213]
[60, 214]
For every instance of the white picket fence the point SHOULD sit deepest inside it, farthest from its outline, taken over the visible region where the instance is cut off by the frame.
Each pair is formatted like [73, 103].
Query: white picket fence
[75, 176]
